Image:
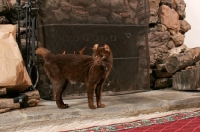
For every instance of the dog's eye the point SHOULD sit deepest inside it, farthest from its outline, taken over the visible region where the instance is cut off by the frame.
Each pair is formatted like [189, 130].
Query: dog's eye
[103, 57]
[95, 56]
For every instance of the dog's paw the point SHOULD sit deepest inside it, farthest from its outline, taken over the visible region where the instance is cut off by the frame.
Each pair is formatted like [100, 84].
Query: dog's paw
[101, 106]
[64, 106]
[92, 107]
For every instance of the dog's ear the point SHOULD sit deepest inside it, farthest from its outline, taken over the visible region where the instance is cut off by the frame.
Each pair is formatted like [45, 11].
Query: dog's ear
[107, 48]
[95, 47]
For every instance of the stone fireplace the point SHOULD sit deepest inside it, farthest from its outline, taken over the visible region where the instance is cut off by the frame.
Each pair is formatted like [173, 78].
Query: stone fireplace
[125, 25]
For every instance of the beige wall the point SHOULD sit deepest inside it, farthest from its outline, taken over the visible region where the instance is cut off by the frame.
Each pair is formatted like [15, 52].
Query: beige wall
[192, 37]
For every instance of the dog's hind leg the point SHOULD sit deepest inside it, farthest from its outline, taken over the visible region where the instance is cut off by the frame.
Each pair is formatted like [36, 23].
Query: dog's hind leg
[58, 88]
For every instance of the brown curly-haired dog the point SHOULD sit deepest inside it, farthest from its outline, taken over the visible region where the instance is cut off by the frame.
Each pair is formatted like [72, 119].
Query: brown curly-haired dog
[91, 70]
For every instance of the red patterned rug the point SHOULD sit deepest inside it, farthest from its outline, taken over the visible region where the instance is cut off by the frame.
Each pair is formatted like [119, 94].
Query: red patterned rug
[178, 122]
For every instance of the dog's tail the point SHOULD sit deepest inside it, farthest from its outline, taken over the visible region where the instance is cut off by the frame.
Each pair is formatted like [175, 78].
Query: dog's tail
[43, 52]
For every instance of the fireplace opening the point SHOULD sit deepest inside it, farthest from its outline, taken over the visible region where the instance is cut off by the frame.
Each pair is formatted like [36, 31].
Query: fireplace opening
[70, 25]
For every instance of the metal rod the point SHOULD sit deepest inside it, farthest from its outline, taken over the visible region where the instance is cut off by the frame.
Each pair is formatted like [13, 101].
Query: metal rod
[29, 34]
[33, 39]
[18, 16]
[27, 47]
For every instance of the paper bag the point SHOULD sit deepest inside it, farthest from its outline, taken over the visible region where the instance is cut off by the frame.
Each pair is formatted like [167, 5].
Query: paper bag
[13, 73]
